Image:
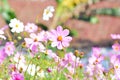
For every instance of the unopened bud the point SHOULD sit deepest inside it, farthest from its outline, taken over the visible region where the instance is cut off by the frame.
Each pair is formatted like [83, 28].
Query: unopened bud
[76, 53]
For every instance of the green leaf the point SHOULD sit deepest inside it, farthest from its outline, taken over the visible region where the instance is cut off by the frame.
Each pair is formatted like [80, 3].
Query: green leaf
[94, 20]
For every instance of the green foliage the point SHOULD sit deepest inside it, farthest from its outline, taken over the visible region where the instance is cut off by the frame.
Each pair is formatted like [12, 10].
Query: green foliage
[94, 20]
[107, 11]
[6, 11]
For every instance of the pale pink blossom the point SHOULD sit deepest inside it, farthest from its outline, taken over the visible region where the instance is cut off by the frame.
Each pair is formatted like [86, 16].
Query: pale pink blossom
[9, 48]
[3, 55]
[60, 38]
[116, 46]
[31, 27]
[17, 76]
[115, 36]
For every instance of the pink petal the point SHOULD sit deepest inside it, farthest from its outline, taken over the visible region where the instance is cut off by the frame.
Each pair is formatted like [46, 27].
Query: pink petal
[28, 41]
[33, 35]
[54, 44]
[59, 46]
[53, 33]
[65, 44]
[59, 29]
[67, 39]
[65, 32]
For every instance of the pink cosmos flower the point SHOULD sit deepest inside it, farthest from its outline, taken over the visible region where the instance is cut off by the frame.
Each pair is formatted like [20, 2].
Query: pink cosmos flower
[9, 48]
[96, 56]
[44, 35]
[19, 58]
[33, 39]
[34, 43]
[71, 70]
[17, 76]
[115, 36]
[69, 61]
[115, 60]
[60, 38]
[116, 46]
[51, 54]
[31, 27]
[3, 55]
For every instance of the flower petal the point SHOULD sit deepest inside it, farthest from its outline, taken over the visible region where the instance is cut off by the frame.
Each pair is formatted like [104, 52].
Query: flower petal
[59, 46]
[65, 32]
[54, 44]
[67, 39]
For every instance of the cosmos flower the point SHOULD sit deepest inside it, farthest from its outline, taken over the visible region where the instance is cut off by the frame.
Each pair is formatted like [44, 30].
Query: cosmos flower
[31, 27]
[32, 69]
[21, 67]
[116, 47]
[34, 43]
[33, 39]
[115, 36]
[44, 35]
[19, 58]
[3, 55]
[17, 76]
[2, 34]
[48, 13]
[16, 25]
[9, 48]
[60, 38]
[115, 60]
[96, 57]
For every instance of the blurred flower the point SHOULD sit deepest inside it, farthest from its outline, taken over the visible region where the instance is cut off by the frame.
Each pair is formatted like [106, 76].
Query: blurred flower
[69, 77]
[60, 38]
[96, 56]
[33, 69]
[115, 36]
[2, 34]
[19, 58]
[41, 73]
[115, 60]
[44, 35]
[9, 48]
[12, 68]
[116, 46]
[33, 39]
[34, 43]
[48, 13]
[51, 54]
[17, 76]
[71, 70]
[3, 55]
[21, 67]
[16, 25]
[49, 70]
[31, 27]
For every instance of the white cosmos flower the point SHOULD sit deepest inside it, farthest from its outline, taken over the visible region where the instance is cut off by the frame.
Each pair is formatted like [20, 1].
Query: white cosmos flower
[2, 35]
[48, 13]
[41, 74]
[32, 69]
[19, 58]
[21, 67]
[16, 25]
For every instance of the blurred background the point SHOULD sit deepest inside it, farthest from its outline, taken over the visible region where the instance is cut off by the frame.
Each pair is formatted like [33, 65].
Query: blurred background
[90, 21]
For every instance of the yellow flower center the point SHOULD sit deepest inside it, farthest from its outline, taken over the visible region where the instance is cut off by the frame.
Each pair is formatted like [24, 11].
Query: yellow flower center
[47, 11]
[59, 38]
[116, 66]
[16, 25]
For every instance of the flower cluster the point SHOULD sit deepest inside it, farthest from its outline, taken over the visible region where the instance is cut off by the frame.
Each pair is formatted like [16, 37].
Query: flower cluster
[44, 55]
